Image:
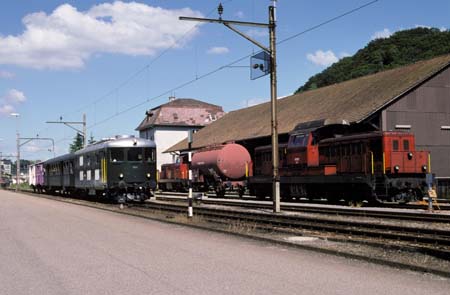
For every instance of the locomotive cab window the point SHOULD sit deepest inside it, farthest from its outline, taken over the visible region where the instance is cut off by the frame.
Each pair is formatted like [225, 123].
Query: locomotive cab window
[149, 155]
[301, 140]
[395, 145]
[134, 155]
[405, 144]
[117, 155]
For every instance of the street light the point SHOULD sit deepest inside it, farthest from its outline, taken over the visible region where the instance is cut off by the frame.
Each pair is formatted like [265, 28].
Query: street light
[17, 115]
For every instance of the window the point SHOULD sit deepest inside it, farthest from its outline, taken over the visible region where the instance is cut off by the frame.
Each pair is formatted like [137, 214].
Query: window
[117, 155]
[149, 155]
[406, 145]
[333, 151]
[301, 140]
[395, 145]
[81, 160]
[134, 155]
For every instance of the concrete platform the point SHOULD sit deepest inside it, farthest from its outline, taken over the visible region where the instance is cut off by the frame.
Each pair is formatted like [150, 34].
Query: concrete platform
[49, 247]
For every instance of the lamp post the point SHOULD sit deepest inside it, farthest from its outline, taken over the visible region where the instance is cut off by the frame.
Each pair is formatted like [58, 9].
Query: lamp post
[273, 82]
[17, 115]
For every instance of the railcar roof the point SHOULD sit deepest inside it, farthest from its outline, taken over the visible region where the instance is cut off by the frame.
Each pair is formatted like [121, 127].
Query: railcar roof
[353, 101]
[60, 158]
[118, 142]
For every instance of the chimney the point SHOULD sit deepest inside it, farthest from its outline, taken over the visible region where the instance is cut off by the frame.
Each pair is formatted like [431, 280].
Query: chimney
[172, 98]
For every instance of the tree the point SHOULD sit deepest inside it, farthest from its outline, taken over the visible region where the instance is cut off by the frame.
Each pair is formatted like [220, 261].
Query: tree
[77, 143]
[402, 48]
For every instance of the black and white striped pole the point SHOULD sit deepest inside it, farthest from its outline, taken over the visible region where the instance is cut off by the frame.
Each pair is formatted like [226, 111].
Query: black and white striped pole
[190, 209]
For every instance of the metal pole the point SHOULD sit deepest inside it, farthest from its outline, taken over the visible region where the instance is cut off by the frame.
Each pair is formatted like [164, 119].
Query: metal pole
[190, 209]
[273, 100]
[18, 162]
[84, 131]
[1, 168]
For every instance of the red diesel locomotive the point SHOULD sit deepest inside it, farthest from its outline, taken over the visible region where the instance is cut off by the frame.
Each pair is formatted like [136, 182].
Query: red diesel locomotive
[372, 166]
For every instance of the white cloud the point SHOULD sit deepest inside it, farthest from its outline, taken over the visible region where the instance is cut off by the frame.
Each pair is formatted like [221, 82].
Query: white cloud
[6, 109]
[255, 33]
[381, 34]
[15, 96]
[442, 29]
[422, 26]
[6, 75]
[218, 50]
[344, 54]
[11, 98]
[66, 38]
[322, 58]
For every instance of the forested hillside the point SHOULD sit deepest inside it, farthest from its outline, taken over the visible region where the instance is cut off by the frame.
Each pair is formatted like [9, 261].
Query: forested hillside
[402, 48]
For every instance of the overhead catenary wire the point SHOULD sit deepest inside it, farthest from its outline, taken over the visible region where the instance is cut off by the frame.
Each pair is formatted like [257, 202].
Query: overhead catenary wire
[233, 62]
[184, 84]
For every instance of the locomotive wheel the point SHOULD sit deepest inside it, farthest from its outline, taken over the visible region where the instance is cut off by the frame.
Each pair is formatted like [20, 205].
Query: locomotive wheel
[241, 191]
[220, 192]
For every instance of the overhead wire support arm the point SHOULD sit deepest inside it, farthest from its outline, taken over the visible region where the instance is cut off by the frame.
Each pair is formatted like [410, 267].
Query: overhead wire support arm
[69, 124]
[28, 139]
[229, 23]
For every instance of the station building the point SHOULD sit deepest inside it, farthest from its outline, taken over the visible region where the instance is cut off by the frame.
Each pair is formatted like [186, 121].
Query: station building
[171, 122]
[413, 98]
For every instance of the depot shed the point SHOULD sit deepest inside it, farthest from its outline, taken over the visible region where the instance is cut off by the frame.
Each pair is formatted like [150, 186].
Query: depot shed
[414, 98]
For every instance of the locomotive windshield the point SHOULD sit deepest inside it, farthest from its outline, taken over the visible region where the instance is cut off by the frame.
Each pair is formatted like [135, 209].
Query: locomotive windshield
[134, 155]
[117, 155]
[300, 140]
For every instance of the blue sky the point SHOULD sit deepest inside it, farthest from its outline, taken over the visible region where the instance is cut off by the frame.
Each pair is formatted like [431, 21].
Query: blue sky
[114, 60]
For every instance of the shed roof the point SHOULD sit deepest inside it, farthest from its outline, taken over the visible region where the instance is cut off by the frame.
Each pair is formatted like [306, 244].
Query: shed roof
[352, 101]
[181, 112]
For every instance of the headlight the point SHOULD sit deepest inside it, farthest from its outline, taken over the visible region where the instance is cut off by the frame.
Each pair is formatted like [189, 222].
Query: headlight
[396, 168]
[424, 168]
[410, 156]
[148, 175]
[121, 176]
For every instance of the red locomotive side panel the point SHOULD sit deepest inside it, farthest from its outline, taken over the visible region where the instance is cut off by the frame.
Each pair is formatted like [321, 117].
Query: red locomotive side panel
[401, 155]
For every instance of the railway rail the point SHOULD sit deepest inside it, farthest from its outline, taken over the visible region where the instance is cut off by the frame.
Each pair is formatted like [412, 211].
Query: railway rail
[384, 213]
[430, 241]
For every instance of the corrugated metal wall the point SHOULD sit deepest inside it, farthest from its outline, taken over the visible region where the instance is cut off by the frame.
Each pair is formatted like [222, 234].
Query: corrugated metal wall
[426, 111]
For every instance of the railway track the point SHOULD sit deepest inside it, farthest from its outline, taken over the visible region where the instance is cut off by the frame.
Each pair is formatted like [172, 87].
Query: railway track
[430, 241]
[443, 204]
[384, 213]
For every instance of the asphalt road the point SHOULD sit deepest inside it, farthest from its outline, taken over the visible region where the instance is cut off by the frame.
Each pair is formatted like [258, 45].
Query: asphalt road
[49, 247]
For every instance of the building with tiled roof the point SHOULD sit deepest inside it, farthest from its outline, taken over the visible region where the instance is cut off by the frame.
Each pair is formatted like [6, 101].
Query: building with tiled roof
[171, 122]
[414, 98]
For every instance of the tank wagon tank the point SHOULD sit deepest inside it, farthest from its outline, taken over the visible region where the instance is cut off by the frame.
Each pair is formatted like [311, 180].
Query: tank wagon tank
[224, 167]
